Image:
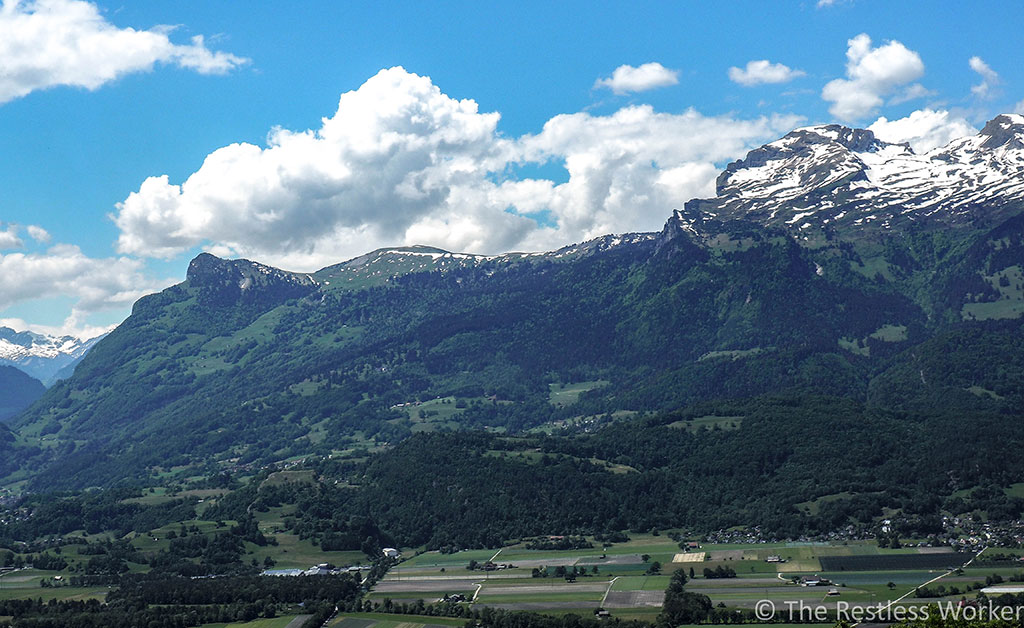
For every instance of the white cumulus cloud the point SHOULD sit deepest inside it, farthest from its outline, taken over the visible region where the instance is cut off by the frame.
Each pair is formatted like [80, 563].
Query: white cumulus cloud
[38, 234]
[763, 71]
[924, 129]
[400, 162]
[46, 43]
[9, 237]
[627, 79]
[989, 78]
[872, 74]
[64, 270]
[627, 170]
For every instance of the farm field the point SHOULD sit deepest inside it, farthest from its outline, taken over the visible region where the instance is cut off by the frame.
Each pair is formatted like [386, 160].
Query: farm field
[619, 577]
[26, 583]
[285, 621]
[861, 574]
[386, 620]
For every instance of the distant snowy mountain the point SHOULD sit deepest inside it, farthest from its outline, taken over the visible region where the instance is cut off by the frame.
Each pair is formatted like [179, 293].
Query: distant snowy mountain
[42, 356]
[835, 178]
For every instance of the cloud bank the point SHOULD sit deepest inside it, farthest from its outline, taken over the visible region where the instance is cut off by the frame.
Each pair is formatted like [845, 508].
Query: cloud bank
[46, 43]
[400, 162]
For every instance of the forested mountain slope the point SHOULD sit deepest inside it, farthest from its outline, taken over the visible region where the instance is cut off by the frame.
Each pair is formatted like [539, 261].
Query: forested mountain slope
[17, 391]
[243, 364]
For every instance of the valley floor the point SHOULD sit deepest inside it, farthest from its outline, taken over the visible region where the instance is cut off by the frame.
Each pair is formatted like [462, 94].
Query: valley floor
[860, 574]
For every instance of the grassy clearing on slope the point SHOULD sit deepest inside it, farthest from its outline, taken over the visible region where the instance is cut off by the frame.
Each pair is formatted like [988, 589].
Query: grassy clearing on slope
[568, 394]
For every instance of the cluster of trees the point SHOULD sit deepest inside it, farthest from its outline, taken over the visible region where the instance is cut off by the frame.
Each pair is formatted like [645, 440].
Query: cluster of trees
[681, 606]
[40, 561]
[943, 591]
[559, 543]
[488, 617]
[161, 602]
[719, 572]
[561, 571]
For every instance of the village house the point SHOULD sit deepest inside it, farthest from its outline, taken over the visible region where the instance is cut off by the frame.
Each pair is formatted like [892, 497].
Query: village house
[814, 581]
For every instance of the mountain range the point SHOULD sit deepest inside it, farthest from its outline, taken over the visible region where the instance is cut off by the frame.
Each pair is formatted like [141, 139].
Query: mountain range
[844, 180]
[44, 357]
[830, 265]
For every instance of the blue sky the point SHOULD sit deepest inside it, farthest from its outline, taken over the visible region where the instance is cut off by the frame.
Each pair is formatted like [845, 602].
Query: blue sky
[585, 118]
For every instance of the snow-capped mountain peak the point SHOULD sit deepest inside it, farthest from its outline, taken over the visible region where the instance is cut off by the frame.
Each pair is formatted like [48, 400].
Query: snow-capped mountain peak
[1006, 130]
[831, 176]
[40, 355]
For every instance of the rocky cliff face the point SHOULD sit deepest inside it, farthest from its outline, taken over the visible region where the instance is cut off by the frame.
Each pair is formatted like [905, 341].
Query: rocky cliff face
[220, 282]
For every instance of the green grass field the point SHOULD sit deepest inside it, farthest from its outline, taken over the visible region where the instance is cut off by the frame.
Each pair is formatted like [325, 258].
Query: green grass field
[26, 584]
[568, 394]
[1003, 308]
[641, 583]
[890, 333]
